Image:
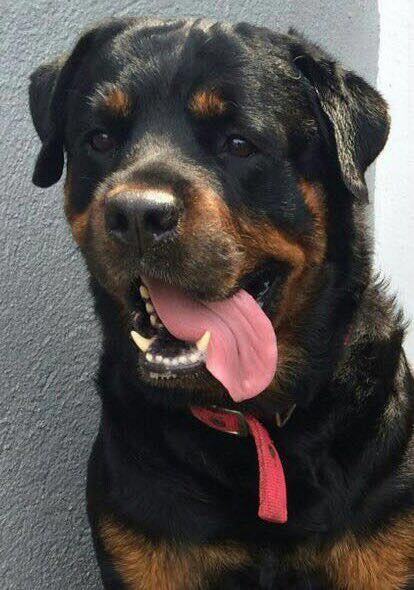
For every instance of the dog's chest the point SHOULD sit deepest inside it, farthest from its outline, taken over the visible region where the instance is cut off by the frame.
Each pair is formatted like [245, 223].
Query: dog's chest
[145, 565]
[386, 561]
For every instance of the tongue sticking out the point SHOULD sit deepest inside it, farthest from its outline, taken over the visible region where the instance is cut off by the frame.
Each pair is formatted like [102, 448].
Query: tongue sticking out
[242, 352]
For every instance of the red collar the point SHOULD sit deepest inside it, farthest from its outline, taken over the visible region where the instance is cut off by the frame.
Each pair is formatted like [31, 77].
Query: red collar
[272, 485]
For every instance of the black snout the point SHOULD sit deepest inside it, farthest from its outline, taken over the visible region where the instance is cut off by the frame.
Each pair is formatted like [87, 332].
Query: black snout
[140, 218]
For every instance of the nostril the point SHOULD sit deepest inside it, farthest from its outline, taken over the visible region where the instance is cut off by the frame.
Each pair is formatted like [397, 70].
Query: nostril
[117, 221]
[160, 221]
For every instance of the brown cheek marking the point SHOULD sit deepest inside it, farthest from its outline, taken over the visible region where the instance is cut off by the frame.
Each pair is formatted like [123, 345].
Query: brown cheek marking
[304, 255]
[144, 565]
[77, 221]
[208, 227]
[384, 562]
[118, 102]
[105, 259]
[78, 224]
[314, 201]
[205, 213]
[207, 103]
[262, 241]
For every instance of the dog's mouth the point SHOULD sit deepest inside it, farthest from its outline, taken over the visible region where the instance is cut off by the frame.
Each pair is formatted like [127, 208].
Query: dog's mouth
[233, 339]
[165, 356]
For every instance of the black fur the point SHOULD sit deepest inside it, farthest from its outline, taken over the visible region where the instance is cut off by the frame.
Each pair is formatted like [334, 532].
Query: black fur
[347, 450]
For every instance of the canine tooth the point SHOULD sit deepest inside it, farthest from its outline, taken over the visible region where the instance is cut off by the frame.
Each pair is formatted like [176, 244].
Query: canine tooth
[203, 342]
[141, 342]
[144, 292]
[149, 307]
[158, 358]
[154, 320]
[149, 357]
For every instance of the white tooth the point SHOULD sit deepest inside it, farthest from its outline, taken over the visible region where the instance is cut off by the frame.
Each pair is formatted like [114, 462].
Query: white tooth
[158, 358]
[194, 357]
[141, 342]
[149, 307]
[174, 361]
[203, 342]
[144, 292]
[149, 357]
[182, 360]
[153, 319]
[167, 361]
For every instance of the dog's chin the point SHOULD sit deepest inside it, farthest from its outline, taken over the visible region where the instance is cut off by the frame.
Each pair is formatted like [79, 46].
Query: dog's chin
[183, 392]
[166, 362]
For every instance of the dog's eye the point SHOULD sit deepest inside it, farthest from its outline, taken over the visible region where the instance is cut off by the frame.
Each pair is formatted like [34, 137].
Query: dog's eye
[238, 146]
[102, 142]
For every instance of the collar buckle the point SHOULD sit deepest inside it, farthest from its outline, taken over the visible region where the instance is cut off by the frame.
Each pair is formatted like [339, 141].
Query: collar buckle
[243, 428]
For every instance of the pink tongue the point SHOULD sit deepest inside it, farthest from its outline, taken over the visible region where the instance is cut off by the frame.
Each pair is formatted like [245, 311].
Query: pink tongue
[242, 352]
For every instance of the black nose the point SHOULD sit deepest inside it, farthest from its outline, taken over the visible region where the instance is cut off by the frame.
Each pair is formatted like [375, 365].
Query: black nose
[140, 218]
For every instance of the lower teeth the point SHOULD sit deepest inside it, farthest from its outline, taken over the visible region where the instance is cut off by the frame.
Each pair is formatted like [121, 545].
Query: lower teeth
[187, 357]
[184, 359]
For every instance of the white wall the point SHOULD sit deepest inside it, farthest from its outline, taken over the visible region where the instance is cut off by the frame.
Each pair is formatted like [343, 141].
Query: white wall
[394, 199]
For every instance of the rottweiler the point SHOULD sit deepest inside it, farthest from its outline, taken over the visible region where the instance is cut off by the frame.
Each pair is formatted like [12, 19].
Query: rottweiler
[257, 407]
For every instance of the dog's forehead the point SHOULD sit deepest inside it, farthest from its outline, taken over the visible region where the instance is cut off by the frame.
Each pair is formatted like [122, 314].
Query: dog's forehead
[183, 53]
[164, 54]
[157, 70]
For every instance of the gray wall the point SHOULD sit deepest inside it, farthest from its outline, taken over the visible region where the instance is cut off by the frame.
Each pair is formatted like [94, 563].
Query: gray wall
[50, 340]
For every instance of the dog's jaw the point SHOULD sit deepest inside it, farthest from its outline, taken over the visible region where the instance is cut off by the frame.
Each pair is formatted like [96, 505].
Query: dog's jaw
[232, 339]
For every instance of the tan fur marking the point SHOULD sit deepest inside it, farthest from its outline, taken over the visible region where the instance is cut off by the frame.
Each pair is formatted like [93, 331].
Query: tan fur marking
[253, 240]
[299, 286]
[118, 102]
[207, 103]
[78, 224]
[208, 215]
[313, 199]
[384, 562]
[78, 221]
[305, 254]
[143, 565]
[262, 240]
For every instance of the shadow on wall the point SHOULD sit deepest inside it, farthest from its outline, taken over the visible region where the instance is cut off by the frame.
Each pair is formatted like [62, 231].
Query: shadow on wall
[50, 343]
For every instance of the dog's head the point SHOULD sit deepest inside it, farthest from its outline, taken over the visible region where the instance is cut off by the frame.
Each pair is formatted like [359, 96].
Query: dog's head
[206, 166]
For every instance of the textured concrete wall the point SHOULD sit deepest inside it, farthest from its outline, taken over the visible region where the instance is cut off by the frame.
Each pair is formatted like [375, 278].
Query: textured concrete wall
[49, 342]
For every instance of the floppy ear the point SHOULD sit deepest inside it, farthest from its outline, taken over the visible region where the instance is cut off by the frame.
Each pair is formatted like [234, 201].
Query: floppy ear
[49, 87]
[356, 113]
[49, 164]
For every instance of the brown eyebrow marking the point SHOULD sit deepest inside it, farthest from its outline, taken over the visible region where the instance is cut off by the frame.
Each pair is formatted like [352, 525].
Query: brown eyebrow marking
[117, 101]
[207, 103]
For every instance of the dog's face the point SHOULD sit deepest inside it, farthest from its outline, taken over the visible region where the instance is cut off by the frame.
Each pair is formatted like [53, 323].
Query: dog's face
[199, 158]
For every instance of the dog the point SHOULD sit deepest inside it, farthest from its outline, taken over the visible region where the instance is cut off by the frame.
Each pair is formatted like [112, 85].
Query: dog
[257, 407]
